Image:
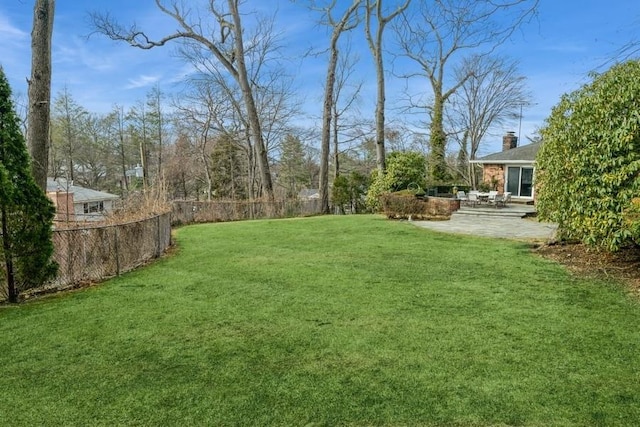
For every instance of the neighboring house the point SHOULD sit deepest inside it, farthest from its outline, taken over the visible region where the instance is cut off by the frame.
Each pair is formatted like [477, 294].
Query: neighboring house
[309, 194]
[136, 172]
[75, 203]
[513, 169]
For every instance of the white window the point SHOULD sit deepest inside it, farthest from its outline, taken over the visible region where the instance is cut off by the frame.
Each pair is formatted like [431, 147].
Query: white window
[93, 207]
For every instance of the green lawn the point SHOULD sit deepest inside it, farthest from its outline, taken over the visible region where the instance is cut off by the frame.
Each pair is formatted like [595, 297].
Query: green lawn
[351, 320]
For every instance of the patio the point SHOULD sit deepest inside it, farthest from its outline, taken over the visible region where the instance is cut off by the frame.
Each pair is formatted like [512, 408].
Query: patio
[515, 221]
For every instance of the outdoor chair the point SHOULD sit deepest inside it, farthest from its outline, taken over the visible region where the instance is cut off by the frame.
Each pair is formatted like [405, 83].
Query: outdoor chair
[462, 196]
[472, 199]
[501, 199]
[497, 200]
[492, 196]
[507, 198]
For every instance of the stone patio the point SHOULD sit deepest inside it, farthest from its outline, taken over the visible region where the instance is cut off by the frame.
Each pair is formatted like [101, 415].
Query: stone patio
[515, 221]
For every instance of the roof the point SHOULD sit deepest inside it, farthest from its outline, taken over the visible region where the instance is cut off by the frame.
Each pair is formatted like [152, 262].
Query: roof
[80, 194]
[312, 193]
[523, 154]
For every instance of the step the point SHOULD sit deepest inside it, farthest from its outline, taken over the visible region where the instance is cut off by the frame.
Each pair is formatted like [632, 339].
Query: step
[509, 211]
[488, 214]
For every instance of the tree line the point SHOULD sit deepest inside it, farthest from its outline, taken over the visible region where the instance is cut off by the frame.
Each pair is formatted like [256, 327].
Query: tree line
[245, 96]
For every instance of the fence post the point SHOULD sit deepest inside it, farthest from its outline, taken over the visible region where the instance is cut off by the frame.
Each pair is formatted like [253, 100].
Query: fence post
[158, 237]
[70, 276]
[117, 249]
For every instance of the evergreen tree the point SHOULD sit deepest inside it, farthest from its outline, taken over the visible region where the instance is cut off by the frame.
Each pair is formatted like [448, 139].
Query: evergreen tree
[228, 167]
[294, 175]
[25, 211]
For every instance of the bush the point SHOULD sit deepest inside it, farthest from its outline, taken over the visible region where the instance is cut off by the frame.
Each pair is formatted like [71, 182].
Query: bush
[402, 205]
[631, 217]
[404, 170]
[405, 204]
[588, 166]
[347, 191]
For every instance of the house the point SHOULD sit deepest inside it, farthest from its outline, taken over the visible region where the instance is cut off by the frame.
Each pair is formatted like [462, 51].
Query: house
[512, 169]
[76, 203]
[309, 194]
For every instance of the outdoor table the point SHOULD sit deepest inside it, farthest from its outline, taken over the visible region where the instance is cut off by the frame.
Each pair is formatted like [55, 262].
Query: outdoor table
[483, 197]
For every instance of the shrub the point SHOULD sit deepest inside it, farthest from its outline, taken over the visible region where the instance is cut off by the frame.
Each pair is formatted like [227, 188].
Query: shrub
[588, 166]
[405, 204]
[402, 205]
[348, 190]
[404, 169]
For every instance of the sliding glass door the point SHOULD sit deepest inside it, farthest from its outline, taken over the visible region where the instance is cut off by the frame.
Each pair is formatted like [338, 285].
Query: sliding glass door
[520, 181]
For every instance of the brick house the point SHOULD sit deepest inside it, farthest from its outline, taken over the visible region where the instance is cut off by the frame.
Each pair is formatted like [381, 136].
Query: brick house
[76, 203]
[512, 169]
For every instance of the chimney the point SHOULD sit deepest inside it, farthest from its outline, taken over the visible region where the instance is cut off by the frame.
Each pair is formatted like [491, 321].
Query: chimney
[509, 141]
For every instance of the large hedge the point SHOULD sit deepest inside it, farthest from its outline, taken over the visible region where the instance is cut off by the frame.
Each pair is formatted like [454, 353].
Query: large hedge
[588, 166]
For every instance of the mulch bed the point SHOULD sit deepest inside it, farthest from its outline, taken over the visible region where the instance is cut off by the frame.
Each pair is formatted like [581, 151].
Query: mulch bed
[582, 260]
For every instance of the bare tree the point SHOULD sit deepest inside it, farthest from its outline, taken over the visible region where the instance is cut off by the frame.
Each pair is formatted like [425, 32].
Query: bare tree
[374, 39]
[94, 155]
[271, 84]
[157, 118]
[436, 34]
[348, 21]
[494, 93]
[345, 97]
[67, 133]
[228, 49]
[40, 90]
[116, 124]
[139, 126]
[199, 112]
[182, 171]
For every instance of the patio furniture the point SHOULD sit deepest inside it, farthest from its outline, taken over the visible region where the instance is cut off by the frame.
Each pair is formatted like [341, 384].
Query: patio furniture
[497, 200]
[462, 196]
[507, 198]
[473, 199]
[482, 197]
[500, 200]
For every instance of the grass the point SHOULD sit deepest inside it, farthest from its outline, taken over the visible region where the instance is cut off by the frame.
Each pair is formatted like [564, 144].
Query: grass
[327, 321]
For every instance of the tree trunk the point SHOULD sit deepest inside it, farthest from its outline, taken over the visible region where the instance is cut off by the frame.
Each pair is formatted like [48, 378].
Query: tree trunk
[207, 171]
[376, 51]
[336, 145]
[12, 293]
[438, 140]
[380, 151]
[123, 163]
[252, 112]
[326, 129]
[40, 90]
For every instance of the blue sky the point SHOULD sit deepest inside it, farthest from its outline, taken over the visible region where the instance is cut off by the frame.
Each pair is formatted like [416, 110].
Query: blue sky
[556, 52]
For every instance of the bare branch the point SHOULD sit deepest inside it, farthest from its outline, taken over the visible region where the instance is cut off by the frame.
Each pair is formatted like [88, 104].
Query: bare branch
[435, 35]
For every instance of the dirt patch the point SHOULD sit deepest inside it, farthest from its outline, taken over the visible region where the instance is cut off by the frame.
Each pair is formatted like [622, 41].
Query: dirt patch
[582, 260]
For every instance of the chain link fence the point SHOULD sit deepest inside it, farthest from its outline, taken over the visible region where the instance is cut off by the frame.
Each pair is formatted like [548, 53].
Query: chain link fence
[188, 212]
[93, 253]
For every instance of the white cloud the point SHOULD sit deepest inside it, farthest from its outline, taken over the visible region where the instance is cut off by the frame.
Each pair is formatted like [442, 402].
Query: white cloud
[566, 47]
[142, 81]
[10, 32]
[15, 56]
